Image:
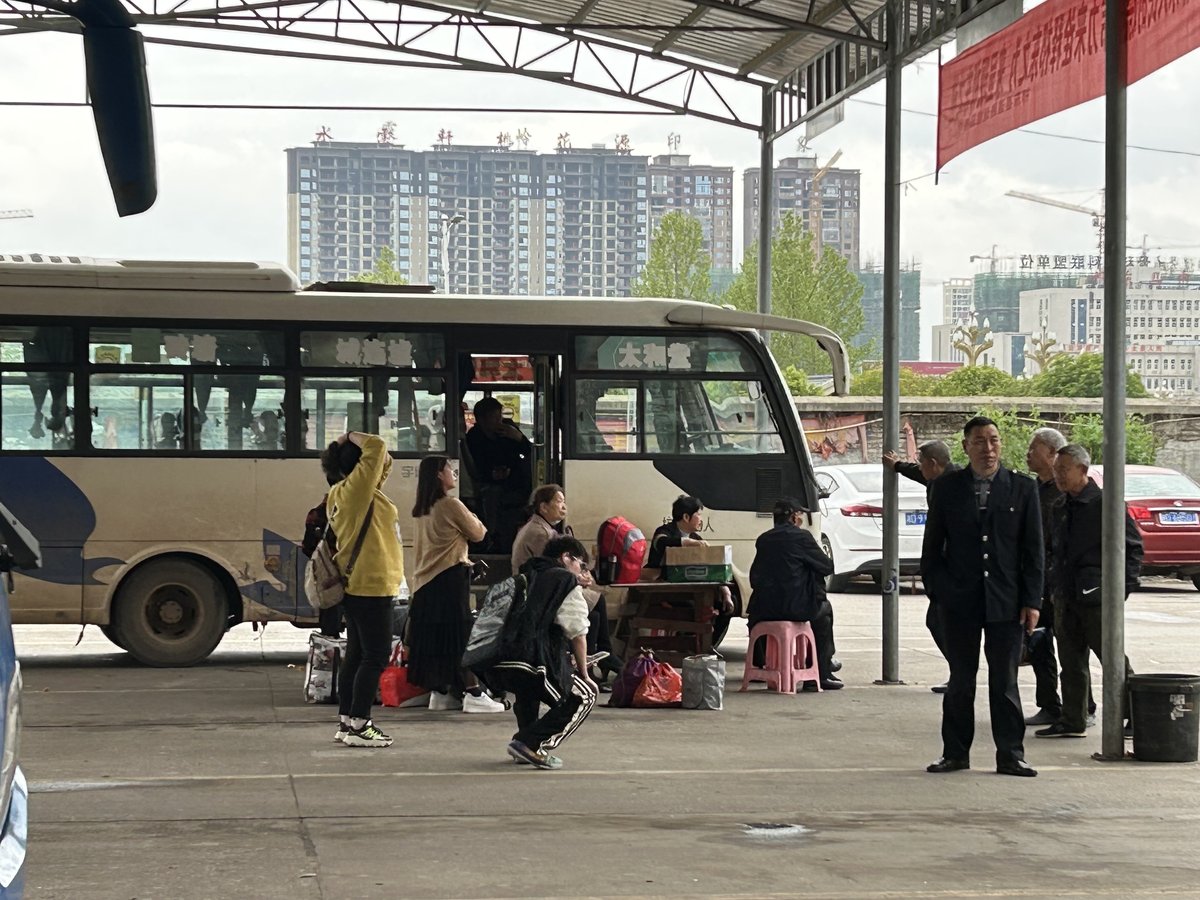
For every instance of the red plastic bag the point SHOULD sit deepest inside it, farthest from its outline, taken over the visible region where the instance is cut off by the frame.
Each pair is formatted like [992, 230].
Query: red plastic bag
[662, 686]
[394, 688]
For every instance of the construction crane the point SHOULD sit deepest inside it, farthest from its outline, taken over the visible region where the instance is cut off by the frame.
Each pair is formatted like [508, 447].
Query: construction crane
[16, 213]
[1096, 214]
[815, 204]
[993, 257]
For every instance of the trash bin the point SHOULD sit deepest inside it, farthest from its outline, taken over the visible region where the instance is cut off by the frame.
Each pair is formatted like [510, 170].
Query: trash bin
[1165, 720]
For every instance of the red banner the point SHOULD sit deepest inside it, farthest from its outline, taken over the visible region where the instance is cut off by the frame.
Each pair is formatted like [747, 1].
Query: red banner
[1051, 59]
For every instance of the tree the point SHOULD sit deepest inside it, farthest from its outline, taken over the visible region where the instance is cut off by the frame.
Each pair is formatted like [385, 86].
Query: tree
[803, 287]
[385, 271]
[678, 265]
[1141, 443]
[798, 383]
[869, 383]
[1081, 376]
[978, 381]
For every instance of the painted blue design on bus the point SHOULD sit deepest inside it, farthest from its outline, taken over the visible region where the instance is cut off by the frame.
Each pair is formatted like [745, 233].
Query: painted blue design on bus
[58, 514]
[285, 592]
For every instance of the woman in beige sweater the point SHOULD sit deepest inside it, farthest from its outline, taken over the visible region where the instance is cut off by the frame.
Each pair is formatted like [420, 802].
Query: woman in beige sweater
[439, 622]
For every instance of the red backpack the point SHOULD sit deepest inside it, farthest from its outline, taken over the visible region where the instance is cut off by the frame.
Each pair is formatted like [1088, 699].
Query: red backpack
[622, 550]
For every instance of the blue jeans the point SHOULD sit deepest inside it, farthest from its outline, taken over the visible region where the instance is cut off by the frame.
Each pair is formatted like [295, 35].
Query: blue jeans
[368, 646]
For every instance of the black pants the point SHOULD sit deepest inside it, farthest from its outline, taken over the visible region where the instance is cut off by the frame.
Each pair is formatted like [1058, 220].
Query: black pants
[368, 646]
[1079, 631]
[1003, 643]
[934, 623]
[598, 637]
[822, 627]
[565, 714]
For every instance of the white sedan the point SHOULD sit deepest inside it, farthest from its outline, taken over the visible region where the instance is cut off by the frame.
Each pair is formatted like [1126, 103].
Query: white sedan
[852, 528]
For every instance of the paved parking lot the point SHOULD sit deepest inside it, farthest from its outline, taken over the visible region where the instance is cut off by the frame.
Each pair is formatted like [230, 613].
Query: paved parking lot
[219, 781]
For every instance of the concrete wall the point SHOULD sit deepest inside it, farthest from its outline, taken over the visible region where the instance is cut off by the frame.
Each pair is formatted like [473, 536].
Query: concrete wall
[849, 429]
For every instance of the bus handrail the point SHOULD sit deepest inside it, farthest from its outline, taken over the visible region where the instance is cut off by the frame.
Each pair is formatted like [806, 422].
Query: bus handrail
[827, 340]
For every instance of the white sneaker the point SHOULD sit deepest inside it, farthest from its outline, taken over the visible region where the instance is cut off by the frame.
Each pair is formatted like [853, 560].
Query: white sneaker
[442, 702]
[481, 704]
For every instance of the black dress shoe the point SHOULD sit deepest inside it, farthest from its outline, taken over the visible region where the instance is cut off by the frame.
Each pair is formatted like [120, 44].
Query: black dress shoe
[1016, 767]
[835, 665]
[948, 765]
[831, 683]
[940, 688]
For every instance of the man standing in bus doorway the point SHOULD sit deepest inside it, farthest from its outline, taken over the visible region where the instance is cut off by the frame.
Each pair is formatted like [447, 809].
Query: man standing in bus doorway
[982, 561]
[933, 461]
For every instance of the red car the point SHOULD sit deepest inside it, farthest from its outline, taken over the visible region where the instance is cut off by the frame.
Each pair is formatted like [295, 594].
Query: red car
[1165, 504]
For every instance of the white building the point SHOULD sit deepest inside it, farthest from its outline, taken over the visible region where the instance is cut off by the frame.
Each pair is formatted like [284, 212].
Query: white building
[958, 298]
[1162, 326]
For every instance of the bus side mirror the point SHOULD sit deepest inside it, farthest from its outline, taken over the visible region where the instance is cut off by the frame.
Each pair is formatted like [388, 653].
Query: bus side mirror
[120, 95]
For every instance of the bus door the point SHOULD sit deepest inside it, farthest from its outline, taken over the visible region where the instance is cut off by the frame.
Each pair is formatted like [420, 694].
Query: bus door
[498, 469]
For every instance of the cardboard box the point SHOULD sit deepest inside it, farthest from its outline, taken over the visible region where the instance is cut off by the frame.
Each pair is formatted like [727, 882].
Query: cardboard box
[713, 563]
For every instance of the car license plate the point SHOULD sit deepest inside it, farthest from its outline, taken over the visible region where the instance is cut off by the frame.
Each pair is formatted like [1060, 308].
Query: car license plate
[1173, 517]
[915, 518]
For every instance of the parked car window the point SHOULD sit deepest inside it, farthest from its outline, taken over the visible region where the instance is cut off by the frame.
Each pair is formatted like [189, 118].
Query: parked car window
[1160, 484]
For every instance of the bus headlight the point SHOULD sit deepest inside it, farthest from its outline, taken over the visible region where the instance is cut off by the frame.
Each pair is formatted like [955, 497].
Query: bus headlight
[12, 737]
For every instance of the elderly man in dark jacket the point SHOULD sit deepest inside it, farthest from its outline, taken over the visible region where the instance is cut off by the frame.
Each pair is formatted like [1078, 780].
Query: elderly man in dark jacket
[933, 461]
[1075, 583]
[788, 578]
[982, 563]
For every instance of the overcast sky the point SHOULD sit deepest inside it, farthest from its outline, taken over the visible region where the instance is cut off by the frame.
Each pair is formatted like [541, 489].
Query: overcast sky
[222, 173]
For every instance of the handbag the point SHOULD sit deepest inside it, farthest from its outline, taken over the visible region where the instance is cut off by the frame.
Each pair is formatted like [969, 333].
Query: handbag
[394, 686]
[704, 681]
[324, 583]
[630, 679]
[662, 686]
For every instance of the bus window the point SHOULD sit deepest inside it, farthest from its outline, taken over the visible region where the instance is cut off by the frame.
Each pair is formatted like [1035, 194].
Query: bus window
[137, 411]
[169, 346]
[411, 413]
[685, 416]
[36, 404]
[372, 349]
[238, 412]
[606, 417]
[677, 354]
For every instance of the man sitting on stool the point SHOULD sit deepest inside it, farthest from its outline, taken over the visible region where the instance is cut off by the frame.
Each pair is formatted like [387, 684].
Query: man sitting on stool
[788, 578]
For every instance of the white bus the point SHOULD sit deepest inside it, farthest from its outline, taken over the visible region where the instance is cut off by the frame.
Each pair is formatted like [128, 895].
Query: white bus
[160, 424]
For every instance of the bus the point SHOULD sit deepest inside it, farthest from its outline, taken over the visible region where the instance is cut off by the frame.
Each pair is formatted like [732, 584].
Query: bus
[160, 424]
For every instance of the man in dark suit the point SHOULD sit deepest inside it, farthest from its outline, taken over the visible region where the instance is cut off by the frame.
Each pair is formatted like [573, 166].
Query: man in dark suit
[933, 461]
[982, 562]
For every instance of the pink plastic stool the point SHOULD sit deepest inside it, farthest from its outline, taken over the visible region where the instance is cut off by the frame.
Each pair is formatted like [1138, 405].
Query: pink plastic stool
[791, 656]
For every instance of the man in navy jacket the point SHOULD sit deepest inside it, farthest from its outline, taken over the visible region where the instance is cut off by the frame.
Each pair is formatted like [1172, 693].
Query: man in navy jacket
[982, 563]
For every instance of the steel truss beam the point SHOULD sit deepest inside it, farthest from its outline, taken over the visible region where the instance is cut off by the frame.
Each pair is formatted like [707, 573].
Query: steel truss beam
[845, 68]
[467, 40]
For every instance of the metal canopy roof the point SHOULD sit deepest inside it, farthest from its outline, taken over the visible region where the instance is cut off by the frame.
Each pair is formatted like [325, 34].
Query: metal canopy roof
[764, 65]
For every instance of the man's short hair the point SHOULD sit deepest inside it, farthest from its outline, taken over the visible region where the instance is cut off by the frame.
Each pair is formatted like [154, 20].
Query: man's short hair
[1051, 437]
[785, 508]
[936, 451]
[978, 422]
[685, 506]
[566, 544]
[487, 406]
[1078, 453]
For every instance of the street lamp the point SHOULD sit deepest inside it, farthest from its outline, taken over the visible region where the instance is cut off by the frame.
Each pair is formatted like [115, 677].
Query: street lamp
[972, 337]
[1043, 351]
[448, 223]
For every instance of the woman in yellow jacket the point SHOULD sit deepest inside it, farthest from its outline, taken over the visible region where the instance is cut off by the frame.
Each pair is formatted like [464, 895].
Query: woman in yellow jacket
[364, 464]
[439, 620]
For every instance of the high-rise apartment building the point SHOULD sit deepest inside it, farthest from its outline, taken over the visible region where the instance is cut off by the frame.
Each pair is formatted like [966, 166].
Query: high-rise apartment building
[957, 296]
[910, 312]
[836, 209]
[471, 219]
[703, 192]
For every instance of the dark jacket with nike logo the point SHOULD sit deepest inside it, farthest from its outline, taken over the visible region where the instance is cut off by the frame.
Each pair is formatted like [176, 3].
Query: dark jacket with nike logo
[1078, 552]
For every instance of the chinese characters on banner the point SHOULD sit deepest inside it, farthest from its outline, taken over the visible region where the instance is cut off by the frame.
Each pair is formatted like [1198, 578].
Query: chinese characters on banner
[1051, 59]
[1092, 263]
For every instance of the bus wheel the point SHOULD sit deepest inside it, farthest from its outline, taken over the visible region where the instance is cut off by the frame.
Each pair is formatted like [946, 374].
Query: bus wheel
[171, 612]
[111, 633]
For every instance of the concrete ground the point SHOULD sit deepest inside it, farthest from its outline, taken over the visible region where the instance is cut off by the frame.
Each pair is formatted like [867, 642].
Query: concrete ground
[219, 781]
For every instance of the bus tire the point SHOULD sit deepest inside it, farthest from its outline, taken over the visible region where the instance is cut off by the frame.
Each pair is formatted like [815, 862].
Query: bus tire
[111, 633]
[170, 612]
[833, 583]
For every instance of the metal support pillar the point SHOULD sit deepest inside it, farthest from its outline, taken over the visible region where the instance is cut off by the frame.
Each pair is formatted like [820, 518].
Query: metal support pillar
[1113, 508]
[766, 204]
[891, 345]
